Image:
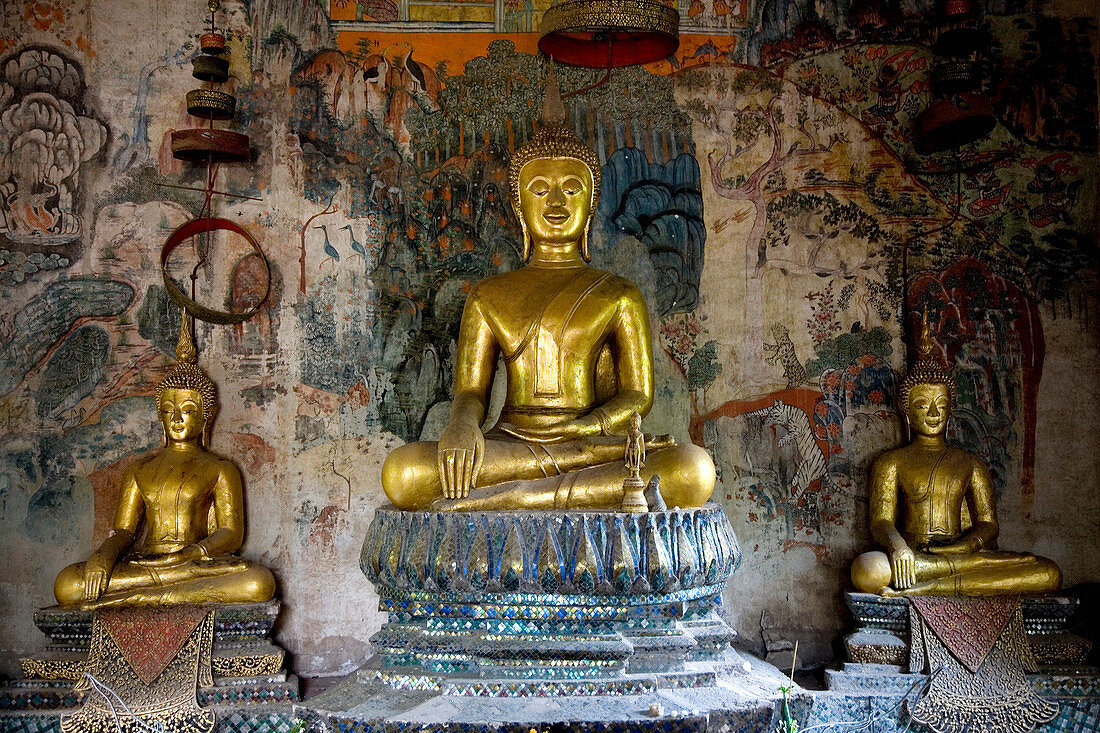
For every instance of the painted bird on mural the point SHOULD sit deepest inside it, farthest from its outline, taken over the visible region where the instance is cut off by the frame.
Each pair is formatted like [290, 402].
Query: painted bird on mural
[332, 252]
[356, 245]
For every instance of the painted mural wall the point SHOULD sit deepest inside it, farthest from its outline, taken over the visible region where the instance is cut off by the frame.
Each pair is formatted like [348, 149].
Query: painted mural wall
[760, 185]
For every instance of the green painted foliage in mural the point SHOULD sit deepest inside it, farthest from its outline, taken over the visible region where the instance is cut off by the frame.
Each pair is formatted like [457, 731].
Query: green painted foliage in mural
[703, 367]
[841, 350]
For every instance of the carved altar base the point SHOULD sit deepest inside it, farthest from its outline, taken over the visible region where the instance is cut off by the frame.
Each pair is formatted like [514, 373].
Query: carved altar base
[252, 692]
[518, 620]
[876, 678]
[882, 630]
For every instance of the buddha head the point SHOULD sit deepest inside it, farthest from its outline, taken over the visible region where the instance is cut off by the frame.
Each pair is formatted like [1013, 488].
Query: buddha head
[186, 398]
[927, 393]
[554, 180]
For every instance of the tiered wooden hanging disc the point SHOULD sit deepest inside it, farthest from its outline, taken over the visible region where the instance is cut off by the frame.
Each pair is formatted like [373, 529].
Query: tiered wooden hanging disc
[959, 113]
[208, 103]
[212, 147]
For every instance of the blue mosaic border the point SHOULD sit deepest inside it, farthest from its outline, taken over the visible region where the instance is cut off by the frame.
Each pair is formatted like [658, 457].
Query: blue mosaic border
[553, 599]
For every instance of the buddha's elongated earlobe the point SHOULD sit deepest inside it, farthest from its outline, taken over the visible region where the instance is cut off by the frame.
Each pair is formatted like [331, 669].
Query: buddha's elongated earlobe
[526, 240]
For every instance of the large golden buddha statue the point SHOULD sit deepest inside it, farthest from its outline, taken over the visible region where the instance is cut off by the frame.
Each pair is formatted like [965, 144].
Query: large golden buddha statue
[932, 508]
[192, 506]
[576, 347]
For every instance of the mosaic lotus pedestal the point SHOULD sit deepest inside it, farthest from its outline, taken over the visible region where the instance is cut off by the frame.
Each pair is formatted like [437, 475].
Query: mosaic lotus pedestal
[518, 620]
[252, 692]
[876, 678]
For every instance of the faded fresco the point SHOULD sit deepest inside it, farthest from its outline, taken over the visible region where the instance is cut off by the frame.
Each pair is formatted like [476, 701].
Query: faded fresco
[760, 185]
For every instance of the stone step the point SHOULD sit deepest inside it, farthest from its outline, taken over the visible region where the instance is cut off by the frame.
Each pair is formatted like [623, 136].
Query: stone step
[228, 660]
[871, 679]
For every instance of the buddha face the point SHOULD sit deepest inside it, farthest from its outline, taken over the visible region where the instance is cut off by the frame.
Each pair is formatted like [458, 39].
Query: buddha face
[555, 196]
[928, 409]
[181, 414]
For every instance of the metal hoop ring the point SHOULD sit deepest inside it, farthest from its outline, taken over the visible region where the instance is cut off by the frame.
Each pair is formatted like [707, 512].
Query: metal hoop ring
[184, 232]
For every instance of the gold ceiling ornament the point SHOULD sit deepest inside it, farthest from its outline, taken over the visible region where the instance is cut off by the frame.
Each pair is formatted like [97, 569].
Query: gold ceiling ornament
[606, 34]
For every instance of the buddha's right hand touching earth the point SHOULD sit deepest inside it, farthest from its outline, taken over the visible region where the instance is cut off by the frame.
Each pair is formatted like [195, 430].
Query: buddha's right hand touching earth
[459, 456]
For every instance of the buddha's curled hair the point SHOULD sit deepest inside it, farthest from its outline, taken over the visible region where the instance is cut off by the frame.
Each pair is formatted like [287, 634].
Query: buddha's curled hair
[192, 377]
[554, 141]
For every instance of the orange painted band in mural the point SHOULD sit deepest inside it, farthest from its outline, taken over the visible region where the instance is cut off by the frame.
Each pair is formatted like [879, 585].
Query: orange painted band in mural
[198, 226]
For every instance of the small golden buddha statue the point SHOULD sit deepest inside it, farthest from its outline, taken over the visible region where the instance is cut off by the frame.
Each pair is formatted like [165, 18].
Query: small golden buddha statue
[576, 347]
[936, 545]
[192, 506]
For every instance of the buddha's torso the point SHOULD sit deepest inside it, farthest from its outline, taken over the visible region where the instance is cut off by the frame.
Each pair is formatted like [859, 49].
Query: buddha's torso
[551, 325]
[933, 487]
[178, 491]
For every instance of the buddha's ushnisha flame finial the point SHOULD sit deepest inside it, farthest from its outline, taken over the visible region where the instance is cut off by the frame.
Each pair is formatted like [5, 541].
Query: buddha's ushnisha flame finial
[185, 349]
[553, 109]
[927, 368]
[925, 345]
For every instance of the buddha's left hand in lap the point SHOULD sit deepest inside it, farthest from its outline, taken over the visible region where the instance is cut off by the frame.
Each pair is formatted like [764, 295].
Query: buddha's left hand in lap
[580, 428]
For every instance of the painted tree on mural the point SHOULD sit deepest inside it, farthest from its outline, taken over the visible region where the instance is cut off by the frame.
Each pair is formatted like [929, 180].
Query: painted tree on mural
[1017, 199]
[869, 286]
[764, 129]
[498, 100]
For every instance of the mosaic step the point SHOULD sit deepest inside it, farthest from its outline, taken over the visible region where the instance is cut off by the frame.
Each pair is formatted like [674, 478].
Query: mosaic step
[273, 719]
[228, 659]
[27, 694]
[72, 628]
[735, 693]
[885, 713]
[875, 697]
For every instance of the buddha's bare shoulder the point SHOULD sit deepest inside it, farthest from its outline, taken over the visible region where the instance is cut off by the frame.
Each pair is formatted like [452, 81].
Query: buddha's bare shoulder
[224, 466]
[203, 459]
[626, 288]
[516, 283]
[890, 458]
[495, 283]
